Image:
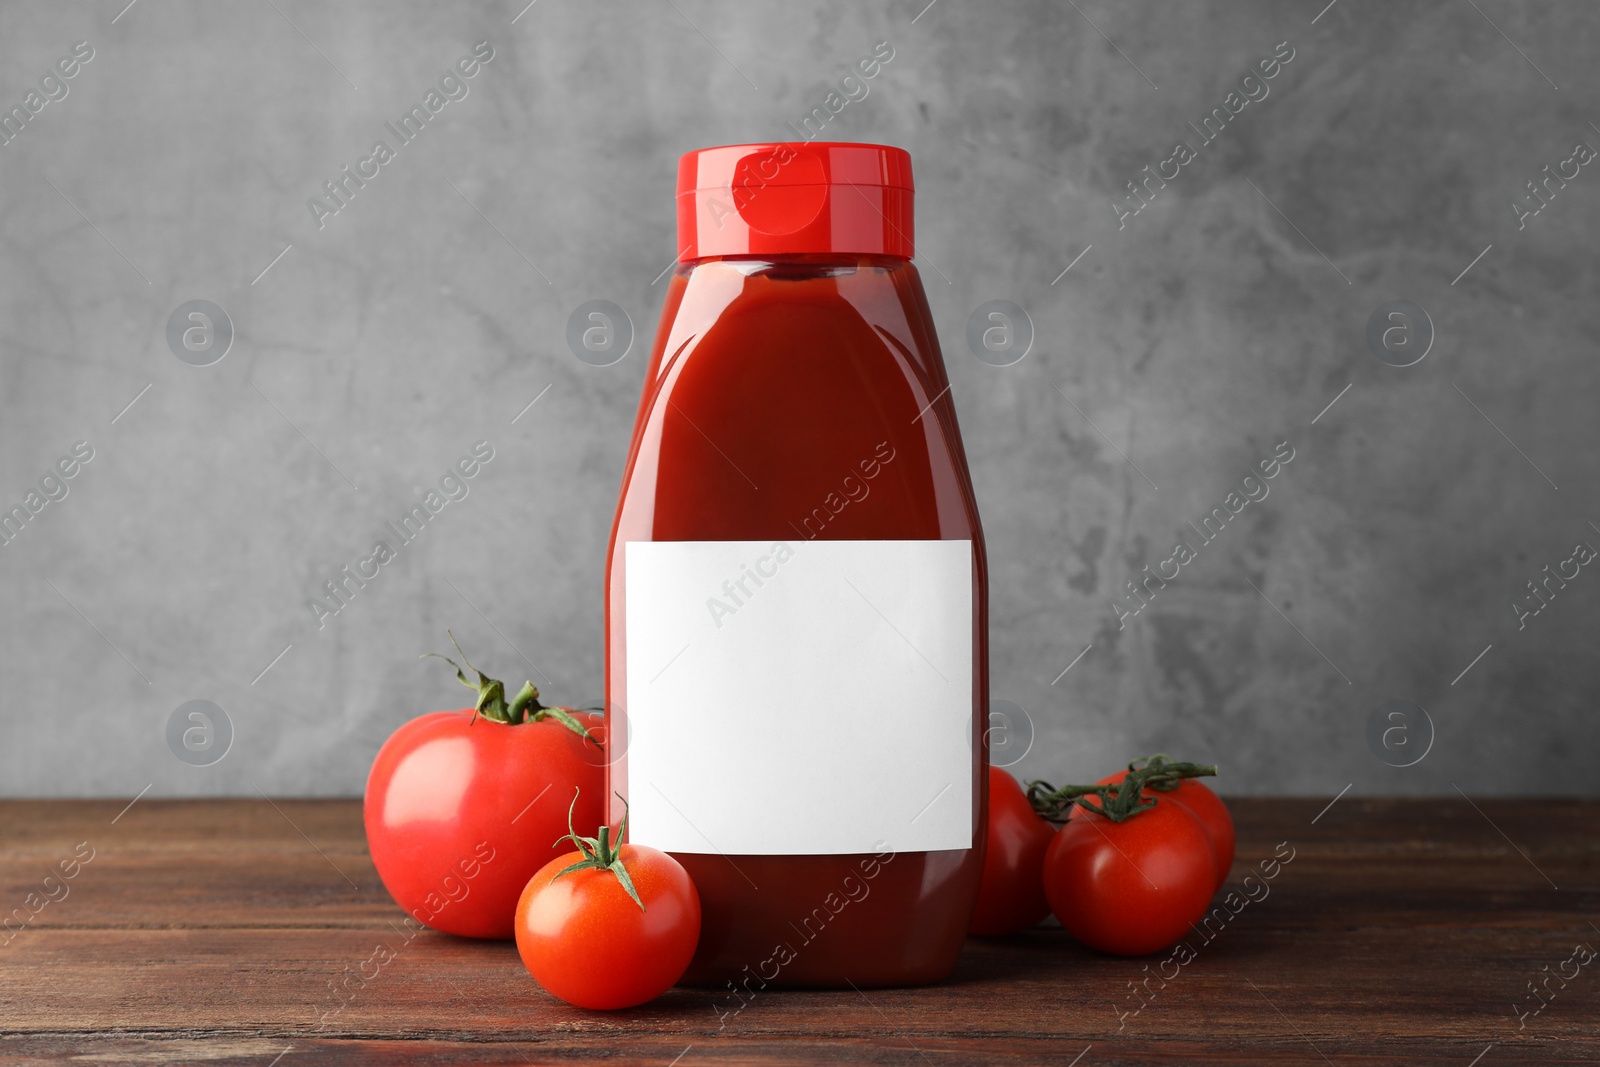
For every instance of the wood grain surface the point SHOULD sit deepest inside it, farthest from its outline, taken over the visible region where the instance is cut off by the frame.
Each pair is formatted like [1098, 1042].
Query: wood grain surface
[215, 932]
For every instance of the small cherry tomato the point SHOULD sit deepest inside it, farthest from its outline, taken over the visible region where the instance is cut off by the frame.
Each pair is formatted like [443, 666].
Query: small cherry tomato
[607, 927]
[1206, 806]
[1011, 896]
[1135, 886]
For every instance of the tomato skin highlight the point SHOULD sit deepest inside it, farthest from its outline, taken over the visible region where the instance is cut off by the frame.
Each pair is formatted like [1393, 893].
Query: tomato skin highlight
[1206, 806]
[1133, 887]
[584, 939]
[1011, 896]
[460, 812]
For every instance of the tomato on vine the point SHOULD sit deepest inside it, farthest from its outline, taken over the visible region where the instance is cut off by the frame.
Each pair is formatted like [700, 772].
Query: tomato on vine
[1201, 801]
[1133, 868]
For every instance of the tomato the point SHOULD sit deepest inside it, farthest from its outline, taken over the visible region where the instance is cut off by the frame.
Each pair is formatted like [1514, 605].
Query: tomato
[463, 806]
[1131, 887]
[1011, 896]
[604, 928]
[1206, 806]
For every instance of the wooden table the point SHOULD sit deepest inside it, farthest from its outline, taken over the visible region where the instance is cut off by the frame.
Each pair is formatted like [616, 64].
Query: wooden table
[1402, 931]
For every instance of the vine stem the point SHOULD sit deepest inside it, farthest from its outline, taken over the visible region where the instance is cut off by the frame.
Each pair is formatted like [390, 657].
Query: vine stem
[1117, 801]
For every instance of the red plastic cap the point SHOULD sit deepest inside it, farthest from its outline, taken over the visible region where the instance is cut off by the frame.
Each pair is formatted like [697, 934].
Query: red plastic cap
[793, 198]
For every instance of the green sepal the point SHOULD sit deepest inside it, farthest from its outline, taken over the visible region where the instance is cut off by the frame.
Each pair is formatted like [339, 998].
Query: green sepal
[598, 853]
[581, 865]
[565, 718]
[621, 872]
[523, 708]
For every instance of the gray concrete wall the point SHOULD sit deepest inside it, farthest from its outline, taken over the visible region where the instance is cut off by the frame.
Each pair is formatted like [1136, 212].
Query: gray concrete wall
[1222, 319]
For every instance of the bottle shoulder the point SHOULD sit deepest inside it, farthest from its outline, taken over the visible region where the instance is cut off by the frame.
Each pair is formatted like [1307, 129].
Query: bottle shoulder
[775, 390]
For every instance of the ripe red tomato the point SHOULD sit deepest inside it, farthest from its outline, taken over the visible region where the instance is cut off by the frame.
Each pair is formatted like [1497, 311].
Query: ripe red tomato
[463, 806]
[1207, 807]
[1131, 887]
[1011, 896]
[460, 811]
[587, 940]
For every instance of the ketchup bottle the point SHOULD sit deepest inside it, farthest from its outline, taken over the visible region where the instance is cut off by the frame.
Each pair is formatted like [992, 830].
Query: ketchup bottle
[797, 642]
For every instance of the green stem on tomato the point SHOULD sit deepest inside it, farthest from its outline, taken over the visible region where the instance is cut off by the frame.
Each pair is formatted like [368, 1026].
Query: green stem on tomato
[524, 707]
[1117, 801]
[598, 852]
[1164, 774]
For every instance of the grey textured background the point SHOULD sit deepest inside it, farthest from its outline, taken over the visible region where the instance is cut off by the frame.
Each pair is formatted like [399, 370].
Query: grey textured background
[1219, 322]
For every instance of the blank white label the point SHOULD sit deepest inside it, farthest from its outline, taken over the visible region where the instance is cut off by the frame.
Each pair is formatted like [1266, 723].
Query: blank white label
[799, 698]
